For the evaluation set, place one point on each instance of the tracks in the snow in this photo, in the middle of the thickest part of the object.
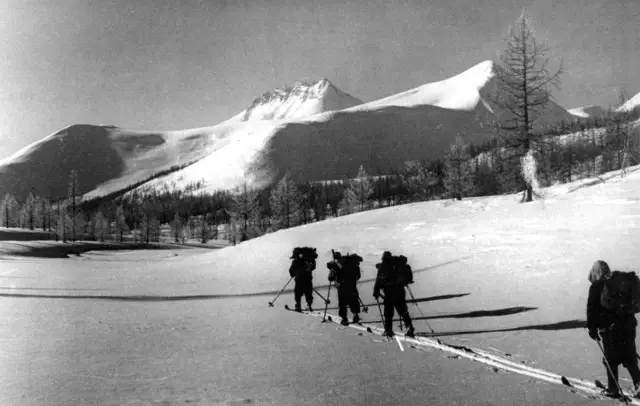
(575, 384)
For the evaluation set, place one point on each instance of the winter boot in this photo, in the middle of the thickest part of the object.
(356, 319)
(388, 334)
(309, 306)
(344, 322)
(298, 307)
(410, 332)
(611, 393)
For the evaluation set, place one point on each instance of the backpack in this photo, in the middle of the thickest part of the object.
(349, 269)
(309, 255)
(621, 292)
(351, 264)
(403, 270)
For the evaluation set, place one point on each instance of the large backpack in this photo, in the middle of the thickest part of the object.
(349, 270)
(621, 293)
(351, 264)
(403, 270)
(309, 255)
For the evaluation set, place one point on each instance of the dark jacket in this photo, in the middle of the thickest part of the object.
(386, 277)
(301, 269)
(599, 317)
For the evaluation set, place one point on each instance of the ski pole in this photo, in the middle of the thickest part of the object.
(364, 307)
(381, 314)
(324, 318)
(413, 298)
(285, 286)
(606, 362)
(321, 297)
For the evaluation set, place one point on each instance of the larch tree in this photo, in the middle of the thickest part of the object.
(73, 194)
(358, 193)
(245, 208)
(285, 201)
(524, 81)
(458, 181)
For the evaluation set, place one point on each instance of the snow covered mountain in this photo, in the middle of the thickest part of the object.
(301, 100)
(313, 131)
(631, 104)
(587, 111)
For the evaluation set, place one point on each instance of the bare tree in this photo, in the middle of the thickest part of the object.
(524, 82)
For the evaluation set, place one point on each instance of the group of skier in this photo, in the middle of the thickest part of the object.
(393, 275)
(614, 299)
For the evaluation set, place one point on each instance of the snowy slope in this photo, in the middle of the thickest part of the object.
(300, 101)
(587, 111)
(109, 159)
(630, 104)
(495, 274)
(460, 92)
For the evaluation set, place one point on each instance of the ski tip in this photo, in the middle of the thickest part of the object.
(369, 330)
(287, 307)
(565, 381)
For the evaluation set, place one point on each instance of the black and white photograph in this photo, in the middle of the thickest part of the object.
(340, 202)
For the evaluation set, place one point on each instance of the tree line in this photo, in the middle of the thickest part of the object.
(521, 157)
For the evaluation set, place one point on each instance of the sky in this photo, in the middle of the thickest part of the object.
(170, 65)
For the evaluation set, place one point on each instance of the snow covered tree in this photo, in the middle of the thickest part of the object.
(120, 223)
(100, 226)
(64, 223)
(524, 82)
(357, 194)
(530, 170)
(177, 228)
(8, 211)
(620, 130)
(418, 180)
(457, 180)
(285, 203)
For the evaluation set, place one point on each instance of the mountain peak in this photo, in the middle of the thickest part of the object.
(303, 99)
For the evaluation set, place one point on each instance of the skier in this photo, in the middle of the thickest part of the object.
(302, 266)
(344, 272)
(392, 278)
(616, 329)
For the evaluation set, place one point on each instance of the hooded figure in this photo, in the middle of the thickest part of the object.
(392, 283)
(617, 331)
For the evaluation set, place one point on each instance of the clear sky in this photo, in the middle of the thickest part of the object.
(166, 65)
